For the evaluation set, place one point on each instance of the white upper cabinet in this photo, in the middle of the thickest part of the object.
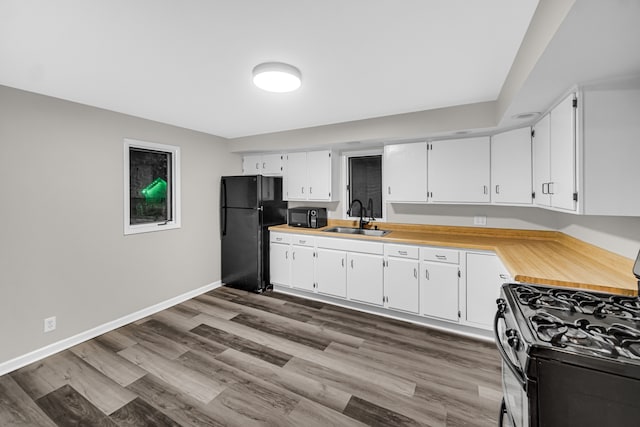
(563, 155)
(459, 171)
(541, 156)
(319, 177)
(611, 149)
(554, 148)
(311, 176)
(511, 172)
(405, 172)
(295, 180)
(263, 164)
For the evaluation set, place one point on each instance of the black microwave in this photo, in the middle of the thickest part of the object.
(307, 217)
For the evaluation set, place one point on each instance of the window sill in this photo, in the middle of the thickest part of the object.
(148, 228)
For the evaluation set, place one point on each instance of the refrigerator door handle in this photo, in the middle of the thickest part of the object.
(223, 211)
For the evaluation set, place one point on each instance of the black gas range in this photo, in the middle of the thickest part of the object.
(570, 357)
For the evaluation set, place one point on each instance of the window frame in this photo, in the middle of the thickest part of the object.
(174, 185)
(345, 180)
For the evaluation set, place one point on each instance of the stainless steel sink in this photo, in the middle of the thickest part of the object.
(362, 231)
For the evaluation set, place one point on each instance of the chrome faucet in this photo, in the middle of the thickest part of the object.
(362, 222)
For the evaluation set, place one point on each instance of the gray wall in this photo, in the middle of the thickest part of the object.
(62, 248)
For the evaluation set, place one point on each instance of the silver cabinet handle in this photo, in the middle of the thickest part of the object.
(415, 273)
(351, 263)
(426, 274)
(278, 239)
(302, 190)
(389, 190)
(286, 255)
(402, 252)
(485, 189)
(302, 242)
(264, 165)
(441, 256)
(550, 188)
(257, 166)
(497, 189)
(293, 255)
(342, 262)
(310, 190)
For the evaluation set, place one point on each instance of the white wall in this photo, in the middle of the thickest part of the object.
(62, 248)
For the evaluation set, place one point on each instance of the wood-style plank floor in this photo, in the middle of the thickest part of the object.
(230, 358)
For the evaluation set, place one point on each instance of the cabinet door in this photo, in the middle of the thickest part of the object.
(272, 164)
(511, 167)
(541, 158)
(252, 165)
(331, 272)
(405, 172)
(459, 170)
(279, 264)
(296, 176)
(611, 152)
(563, 155)
(485, 275)
(302, 271)
(319, 175)
(439, 290)
(364, 278)
(401, 284)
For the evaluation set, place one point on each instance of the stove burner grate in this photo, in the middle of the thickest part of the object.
(581, 335)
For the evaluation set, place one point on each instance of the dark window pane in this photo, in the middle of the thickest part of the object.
(149, 186)
(365, 184)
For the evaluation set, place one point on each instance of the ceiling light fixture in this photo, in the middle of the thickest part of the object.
(276, 77)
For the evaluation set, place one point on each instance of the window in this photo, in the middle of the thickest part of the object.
(364, 183)
(151, 187)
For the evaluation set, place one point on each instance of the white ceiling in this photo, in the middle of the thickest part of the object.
(188, 63)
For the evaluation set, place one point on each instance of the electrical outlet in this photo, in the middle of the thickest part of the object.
(480, 220)
(50, 324)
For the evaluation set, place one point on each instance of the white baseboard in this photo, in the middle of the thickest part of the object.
(463, 330)
(41, 353)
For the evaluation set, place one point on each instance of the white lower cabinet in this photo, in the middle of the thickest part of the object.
(280, 267)
(485, 275)
(302, 263)
(364, 277)
(401, 278)
(440, 283)
(414, 280)
(439, 289)
(331, 272)
(280, 259)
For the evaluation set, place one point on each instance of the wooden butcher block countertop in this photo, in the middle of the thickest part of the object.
(544, 257)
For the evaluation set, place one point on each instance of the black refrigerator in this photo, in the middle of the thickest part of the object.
(249, 205)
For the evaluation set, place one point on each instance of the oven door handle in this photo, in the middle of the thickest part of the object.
(512, 367)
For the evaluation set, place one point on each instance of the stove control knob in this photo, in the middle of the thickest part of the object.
(502, 305)
(512, 338)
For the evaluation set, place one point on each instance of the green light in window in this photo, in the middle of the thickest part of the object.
(156, 190)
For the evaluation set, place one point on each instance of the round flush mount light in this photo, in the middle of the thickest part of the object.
(276, 77)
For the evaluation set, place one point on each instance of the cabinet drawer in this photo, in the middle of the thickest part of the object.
(401, 251)
(302, 240)
(440, 255)
(279, 237)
